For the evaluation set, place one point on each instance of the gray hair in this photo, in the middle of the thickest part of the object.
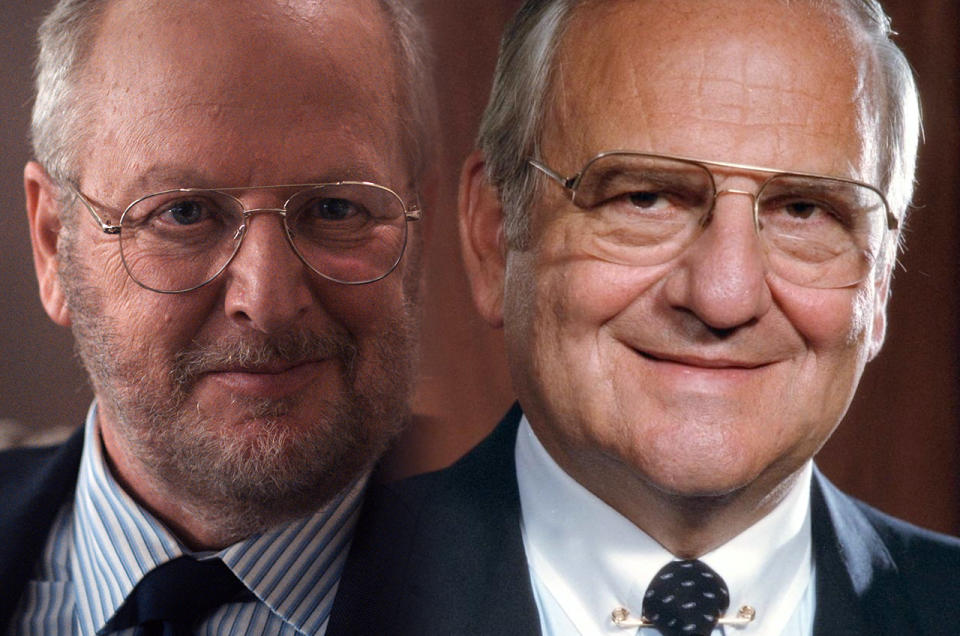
(512, 123)
(61, 115)
(59, 120)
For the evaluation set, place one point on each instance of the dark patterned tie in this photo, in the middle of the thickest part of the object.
(686, 598)
(173, 596)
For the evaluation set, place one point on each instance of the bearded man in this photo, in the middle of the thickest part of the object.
(223, 208)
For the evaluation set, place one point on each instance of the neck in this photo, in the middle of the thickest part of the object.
(188, 522)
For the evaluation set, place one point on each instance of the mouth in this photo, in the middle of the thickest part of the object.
(702, 362)
(272, 368)
(274, 380)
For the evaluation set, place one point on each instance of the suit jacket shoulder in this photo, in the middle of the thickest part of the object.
(34, 484)
(880, 575)
(441, 553)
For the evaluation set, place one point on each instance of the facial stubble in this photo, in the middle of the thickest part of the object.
(244, 482)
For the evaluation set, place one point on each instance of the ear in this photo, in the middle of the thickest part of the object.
(43, 214)
(482, 239)
(879, 331)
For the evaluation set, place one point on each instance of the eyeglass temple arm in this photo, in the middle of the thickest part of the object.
(893, 223)
(567, 184)
(105, 227)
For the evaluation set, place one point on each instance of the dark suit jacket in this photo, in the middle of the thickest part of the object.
(35, 483)
(441, 554)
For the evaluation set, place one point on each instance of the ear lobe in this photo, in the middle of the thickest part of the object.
(43, 214)
(481, 238)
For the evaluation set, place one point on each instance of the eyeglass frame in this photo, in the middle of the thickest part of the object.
(573, 182)
(411, 213)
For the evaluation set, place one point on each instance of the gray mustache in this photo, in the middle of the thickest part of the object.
(287, 348)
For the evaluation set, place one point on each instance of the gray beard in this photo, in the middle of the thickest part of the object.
(245, 486)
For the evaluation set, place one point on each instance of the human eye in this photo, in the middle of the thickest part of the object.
(194, 221)
(809, 226)
(649, 199)
(185, 212)
(644, 194)
(175, 213)
(805, 210)
(333, 210)
(333, 219)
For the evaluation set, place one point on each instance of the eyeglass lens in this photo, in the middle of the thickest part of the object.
(645, 210)
(178, 240)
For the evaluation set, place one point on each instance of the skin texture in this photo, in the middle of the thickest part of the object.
(257, 397)
(686, 395)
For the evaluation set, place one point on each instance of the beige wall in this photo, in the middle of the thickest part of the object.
(898, 447)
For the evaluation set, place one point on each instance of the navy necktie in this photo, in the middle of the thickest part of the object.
(686, 598)
(177, 594)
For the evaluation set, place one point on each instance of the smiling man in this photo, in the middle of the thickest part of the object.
(684, 214)
(223, 208)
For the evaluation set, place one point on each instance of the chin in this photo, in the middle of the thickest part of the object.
(694, 485)
(709, 470)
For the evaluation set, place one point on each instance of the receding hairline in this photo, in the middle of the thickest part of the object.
(845, 33)
(396, 21)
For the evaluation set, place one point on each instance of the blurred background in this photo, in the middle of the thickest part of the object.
(898, 448)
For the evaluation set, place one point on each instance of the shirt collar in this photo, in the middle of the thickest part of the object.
(591, 559)
(294, 569)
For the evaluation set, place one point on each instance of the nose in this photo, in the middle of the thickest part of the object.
(267, 285)
(721, 277)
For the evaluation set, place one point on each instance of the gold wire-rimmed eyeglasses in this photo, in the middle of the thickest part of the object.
(175, 241)
(645, 209)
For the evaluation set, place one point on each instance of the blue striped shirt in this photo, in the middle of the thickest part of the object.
(103, 543)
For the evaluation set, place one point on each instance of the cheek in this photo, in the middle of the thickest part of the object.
(829, 320)
(574, 287)
(555, 315)
(157, 327)
(365, 311)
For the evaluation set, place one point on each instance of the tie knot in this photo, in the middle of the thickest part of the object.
(686, 598)
(176, 594)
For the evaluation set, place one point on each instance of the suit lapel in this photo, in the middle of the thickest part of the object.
(471, 548)
(369, 589)
(441, 553)
(36, 482)
(856, 578)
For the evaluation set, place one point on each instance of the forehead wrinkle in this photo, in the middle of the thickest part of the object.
(149, 162)
(733, 94)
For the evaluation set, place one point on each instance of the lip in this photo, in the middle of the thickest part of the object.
(269, 381)
(700, 362)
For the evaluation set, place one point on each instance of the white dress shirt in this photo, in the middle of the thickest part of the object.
(103, 542)
(586, 559)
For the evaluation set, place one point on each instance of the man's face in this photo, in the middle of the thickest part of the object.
(705, 374)
(269, 385)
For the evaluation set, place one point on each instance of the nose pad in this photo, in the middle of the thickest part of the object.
(248, 215)
(746, 193)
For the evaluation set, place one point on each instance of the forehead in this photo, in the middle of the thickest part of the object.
(245, 90)
(759, 82)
